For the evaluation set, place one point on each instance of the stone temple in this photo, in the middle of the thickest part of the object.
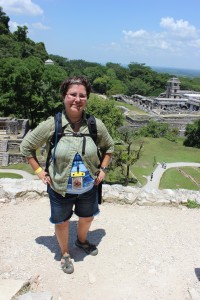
(174, 106)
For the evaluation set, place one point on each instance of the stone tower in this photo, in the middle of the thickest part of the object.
(173, 88)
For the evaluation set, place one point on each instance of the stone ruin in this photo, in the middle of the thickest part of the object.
(12, 131)
(175, 107)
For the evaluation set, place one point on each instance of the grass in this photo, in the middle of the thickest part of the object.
(173, 179)
(194, 172)
(10, 175)
(158, 150)
(24, 167)
(192, 204)
(132, 108)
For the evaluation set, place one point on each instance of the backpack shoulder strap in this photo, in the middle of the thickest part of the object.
(92, 126)
(58, 133)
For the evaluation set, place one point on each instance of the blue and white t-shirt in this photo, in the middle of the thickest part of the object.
(80, 180)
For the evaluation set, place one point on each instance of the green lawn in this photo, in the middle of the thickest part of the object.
(159, 150)
(173, 179)
(24, 167)
(194, 172)
(10, 175)
(132, 108)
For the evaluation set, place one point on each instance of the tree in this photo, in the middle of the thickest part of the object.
(94, 72)
(20, 83)
(122, 73)
(101, 84)
(138, 86)
(125, 156)
(154, 129)
(4, 20)
(21, 33)
(52, 77)
(106, 110)
(192, 133)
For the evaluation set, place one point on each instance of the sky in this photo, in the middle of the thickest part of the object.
(151, 32)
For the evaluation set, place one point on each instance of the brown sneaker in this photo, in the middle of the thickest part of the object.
(87, 247)
(66, 264)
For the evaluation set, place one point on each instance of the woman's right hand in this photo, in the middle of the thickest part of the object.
(44, 176)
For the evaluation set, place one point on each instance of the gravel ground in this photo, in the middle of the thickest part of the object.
(145, 253)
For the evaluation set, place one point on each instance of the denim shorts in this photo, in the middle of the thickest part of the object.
(84, 205)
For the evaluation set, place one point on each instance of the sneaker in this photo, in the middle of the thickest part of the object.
(66, 264)
(87, 247)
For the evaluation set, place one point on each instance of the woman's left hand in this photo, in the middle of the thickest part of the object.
(100, 177)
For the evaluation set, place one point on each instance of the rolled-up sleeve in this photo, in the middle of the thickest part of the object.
(36, 138)
(105, 141)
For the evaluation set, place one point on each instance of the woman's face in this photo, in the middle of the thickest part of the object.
(75, 99)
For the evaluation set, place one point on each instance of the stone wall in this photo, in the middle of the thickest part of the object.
(14, 126)
(18, 190)
(10, 152)
(16, 159)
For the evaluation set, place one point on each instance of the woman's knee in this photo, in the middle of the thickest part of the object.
(86, 220)
(62, 225)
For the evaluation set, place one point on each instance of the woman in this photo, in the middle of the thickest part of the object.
(72, 177)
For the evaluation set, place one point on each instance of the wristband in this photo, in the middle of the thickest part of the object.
(38, 170)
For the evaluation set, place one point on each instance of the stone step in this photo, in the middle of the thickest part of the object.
(3, 132)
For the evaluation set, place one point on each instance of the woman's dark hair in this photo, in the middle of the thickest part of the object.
(75, 80)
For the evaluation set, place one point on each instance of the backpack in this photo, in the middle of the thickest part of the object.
(59, 133)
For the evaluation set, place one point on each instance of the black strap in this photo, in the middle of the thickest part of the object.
(91, 122)
(83, 147)
(92, 126)
(58, 133)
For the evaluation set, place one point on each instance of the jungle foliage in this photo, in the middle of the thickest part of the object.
(30, 89)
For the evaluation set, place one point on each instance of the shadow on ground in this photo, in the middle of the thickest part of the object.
(77, 254)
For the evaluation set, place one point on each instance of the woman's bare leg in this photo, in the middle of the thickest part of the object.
(62, 233)
(83, 228)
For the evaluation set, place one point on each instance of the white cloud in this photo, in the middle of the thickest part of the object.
(31, 27)
(40, 26)
(180, 27)
(13, 26)
(132, 34)
(177, 37)
(21, 7)
(196, 43)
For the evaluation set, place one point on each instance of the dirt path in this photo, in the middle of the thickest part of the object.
(145, 253)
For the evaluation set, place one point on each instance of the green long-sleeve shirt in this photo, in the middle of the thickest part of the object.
(68, 146)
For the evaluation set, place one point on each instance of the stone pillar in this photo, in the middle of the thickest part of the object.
(5, 159)
(3, 145)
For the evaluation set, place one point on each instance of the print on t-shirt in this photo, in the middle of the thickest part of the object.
(80, 180)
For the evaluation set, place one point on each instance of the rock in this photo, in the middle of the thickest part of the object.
(36, 296)
(9, 287)
(92, 278)
(194, 294)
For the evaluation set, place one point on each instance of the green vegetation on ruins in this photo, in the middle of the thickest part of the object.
(29, 89)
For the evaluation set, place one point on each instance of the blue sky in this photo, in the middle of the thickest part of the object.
(153, 32)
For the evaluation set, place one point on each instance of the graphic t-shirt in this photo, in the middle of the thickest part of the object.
(80, 180)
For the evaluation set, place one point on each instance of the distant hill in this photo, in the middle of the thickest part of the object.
(178, 72)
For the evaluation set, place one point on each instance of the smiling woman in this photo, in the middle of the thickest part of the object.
(75, 169)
